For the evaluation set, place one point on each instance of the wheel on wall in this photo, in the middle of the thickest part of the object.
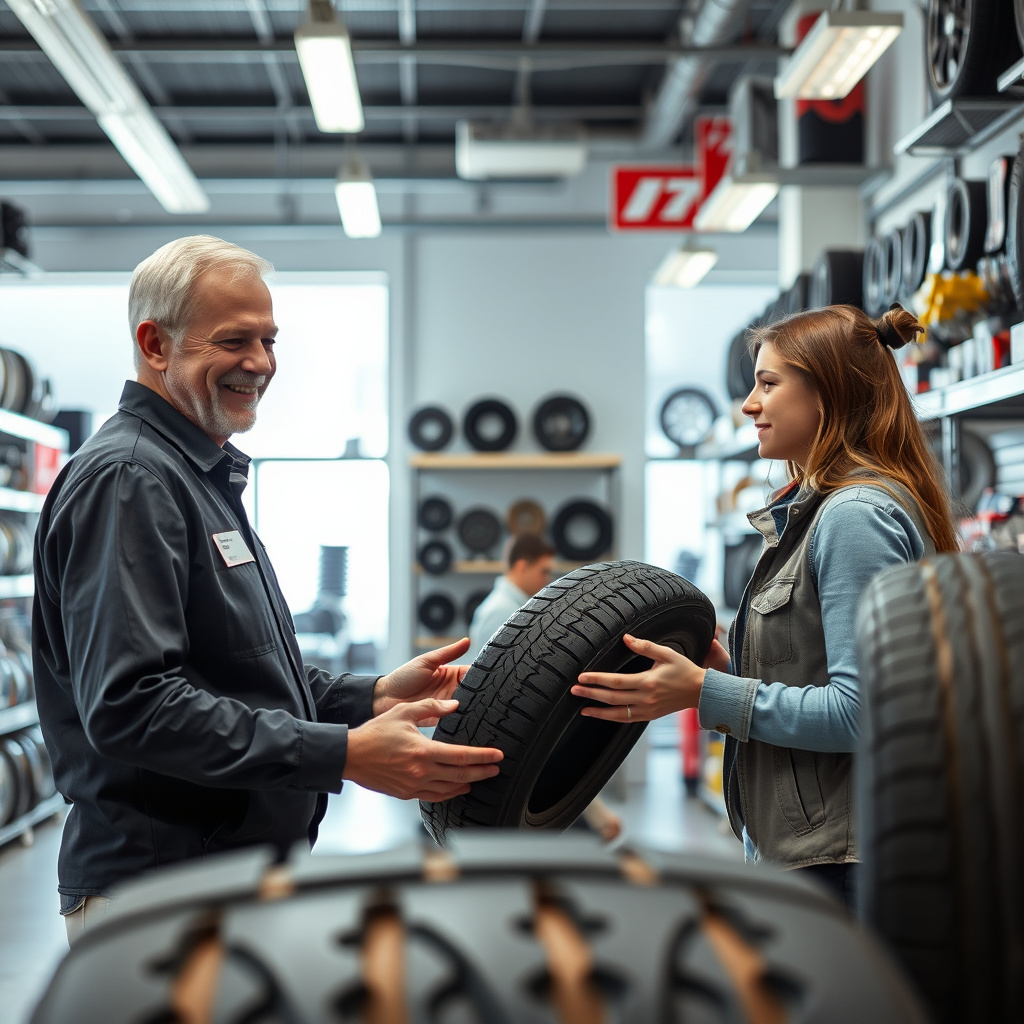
(941, 768)
(434, 513)
(437, 612)
(435, 557)
(917, 241)
(525, 516)
(523, 929)
(688, 417)
(965, 222)
(431, 428)
(582, 530)
(739, 374)
(479, 529)
(837, 278)
(516, 694)
(490, 425)
(561, 423)
(968, 44)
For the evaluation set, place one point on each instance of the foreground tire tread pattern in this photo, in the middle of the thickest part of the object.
(465, 938)
(516, 694)
(941, 780)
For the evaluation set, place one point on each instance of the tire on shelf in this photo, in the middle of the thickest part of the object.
(435, 557)
(479, 529)
(997, 195)
(22, 773)
(837, 278)
(796, 296)
(561, 423)
(492, 929)
(1018, 20)
(525, 516)
(1015, 228)
(47, 786)
(431, 428)
(892, 279)
(739, 374)
(473, 601)
(598, 530)
(977, 467)
(36, 767)
(434, 513)
(965, 223)
(687, 418)
(436, 611)
(516, 695)
(917, 240)
(490, 425)
(941, 777)
(8, 788)
(967, 45)
(874, 278)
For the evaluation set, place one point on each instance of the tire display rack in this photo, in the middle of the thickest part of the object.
(34, 437)
(495, 480)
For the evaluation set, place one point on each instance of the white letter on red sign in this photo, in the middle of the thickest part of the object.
(641, 203)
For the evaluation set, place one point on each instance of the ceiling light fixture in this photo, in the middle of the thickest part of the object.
(357, 200)
(518, 151)
(736, 202)
(80, 53)
(836, 54)
(325, 56)
(684, 267)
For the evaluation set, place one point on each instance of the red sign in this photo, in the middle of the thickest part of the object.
(665, 197)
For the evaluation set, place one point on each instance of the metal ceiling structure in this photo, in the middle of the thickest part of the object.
(223, 78)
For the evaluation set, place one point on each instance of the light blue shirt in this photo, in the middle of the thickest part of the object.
(504, 599)
(862, 531)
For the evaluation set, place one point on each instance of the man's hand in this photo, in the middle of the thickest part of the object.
(430, 676)
(390, 755)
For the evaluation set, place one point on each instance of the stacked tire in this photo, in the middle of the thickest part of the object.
(26, 779)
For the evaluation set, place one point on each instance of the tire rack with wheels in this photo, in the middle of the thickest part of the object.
(494, 480)
(43, 446)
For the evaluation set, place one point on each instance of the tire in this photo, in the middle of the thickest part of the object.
(688, 417)
(561, 423)
(480, 530)
(46, 784)
(22, 775)
(503, 929)
(998, 188)
(739, 375)
(796, 296)
(977, 467)
(1018, 20)
(525, 516)
(475, 599)
(565, 531)
(431, 428)
(965, 223)
(435, 557)
(1015, 228)
(967, 60)
(837, 279)
(516, 694)
(490, 425)
(892, 279)
(8, 789)
(434, 514)
(917, 241)
(874, 278)
(941, 777)
(437, 612)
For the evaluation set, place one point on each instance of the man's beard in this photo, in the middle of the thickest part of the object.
(206, 410)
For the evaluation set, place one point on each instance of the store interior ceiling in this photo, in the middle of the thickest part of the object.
(223, 78)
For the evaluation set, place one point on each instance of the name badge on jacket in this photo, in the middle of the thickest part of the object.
(232, 548)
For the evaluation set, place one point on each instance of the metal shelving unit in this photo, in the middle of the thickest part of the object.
(22, 827)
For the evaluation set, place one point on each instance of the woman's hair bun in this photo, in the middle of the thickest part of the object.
(897, 327)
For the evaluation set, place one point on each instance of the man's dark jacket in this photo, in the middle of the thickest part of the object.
(171, 693)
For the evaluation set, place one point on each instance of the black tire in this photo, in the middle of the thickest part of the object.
(892, 279)
(874, 278)
(965, 223)
(739, 375)
(437, 612)
(1018, 20)
(36, 768)
(998, 188)
(599, 531)
(434, 514)
(561, 423)
(490, 425)
(475, 599)
(469, 934)
(431, 428)
(797, 294)
(525, 516)
(977, 467)
(688, 417)
(516, 694)
(967, 45)
(46, 784)
(837, 278)
(479, 529)
(1015, 228)
(22, 773)
(435, 557)
(8, 789)
(917, 241)
(941, 777)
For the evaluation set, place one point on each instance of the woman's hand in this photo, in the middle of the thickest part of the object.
(672, 683)
(718, 657)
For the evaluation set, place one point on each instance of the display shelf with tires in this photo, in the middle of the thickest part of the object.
(466, 505)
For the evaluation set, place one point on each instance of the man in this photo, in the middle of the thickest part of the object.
(528, 562)
(173, 701)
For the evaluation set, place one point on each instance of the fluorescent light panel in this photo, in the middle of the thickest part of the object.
(484, 152)
(357, 201)
(736, 203)
(69, 38)
(685, 267)
(836, 54)
(325, 56)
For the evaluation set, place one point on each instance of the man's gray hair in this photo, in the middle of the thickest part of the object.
(163, 285)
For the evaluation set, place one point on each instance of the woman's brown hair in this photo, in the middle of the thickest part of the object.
(867, 420)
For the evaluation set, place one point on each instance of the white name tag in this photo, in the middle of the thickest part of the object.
(232, 548)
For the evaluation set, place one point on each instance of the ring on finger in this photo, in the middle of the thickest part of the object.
(629, 714)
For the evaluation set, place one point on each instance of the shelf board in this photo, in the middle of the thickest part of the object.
(1010, 80)
(13, 262)
(47, 809)
(998, 389)
(20, 501)
(957, 125)
(516, 460)
(21, 716)
(743, 446)
(16, 425)
(17, 586)
(832, 175)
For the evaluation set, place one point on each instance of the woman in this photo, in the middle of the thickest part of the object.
(865, 493)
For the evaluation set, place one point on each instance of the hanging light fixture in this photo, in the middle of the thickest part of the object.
(325, 56)
(685, 267)
(736, 201)
(357, 200)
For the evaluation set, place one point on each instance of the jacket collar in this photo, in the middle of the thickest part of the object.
(189, 439)
(774, 519)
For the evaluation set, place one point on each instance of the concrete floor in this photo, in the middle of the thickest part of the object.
(656, 814)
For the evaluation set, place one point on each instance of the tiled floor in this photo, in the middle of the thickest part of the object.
(656, 814)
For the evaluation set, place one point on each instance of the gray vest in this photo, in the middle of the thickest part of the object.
(797, 805)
